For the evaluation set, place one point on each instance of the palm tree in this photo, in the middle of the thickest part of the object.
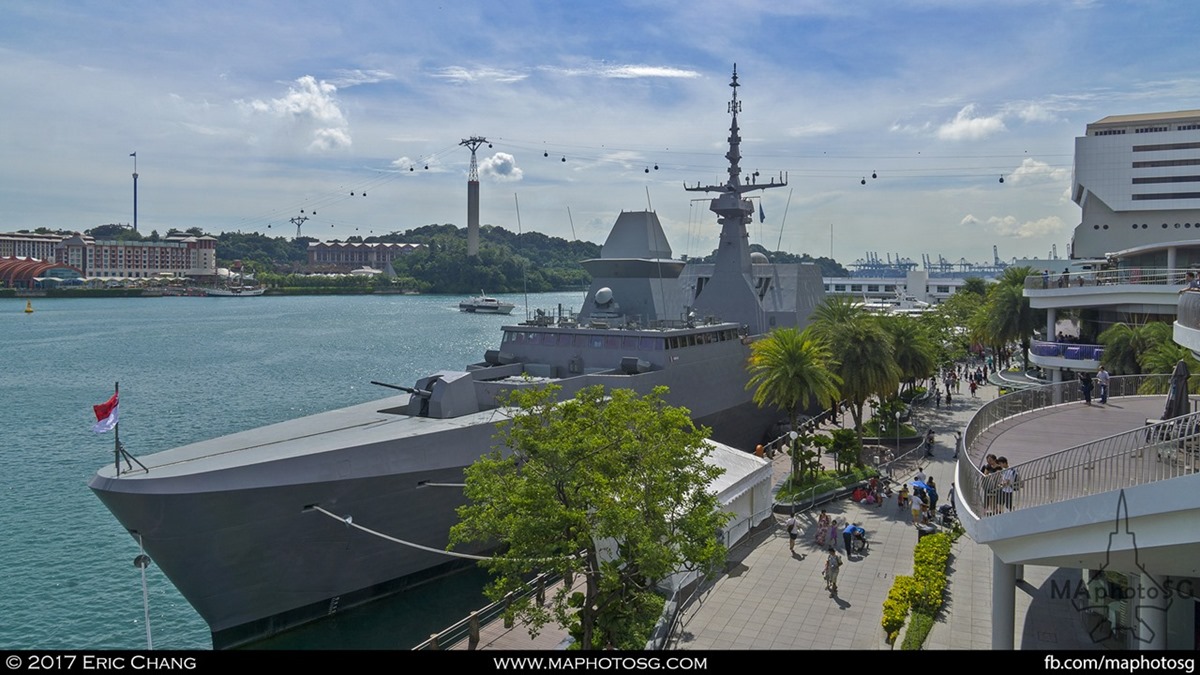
(912, 349)
(835, 311)
(866, 364)
(1124, 345)
(1009, 317)
(790, 369)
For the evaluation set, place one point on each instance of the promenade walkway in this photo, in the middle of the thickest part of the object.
(771, 599)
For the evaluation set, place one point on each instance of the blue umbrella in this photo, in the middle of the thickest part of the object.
(919, 484)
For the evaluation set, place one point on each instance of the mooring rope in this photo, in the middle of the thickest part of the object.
(350, 521)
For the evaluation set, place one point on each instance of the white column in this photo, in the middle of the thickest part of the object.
(1151, 612)
(1004, 603)
(1171, 259)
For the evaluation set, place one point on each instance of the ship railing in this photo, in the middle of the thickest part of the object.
(1160, 450)
(1140, 276)
(469, 629)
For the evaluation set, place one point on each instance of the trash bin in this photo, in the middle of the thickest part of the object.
(923, 530)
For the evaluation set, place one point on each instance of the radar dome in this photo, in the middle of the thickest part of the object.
(604, 296)
(759, 258)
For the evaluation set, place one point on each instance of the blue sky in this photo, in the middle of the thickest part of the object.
(243, 114)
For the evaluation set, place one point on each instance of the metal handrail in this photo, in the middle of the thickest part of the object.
(1138, 276)
(1097, 466)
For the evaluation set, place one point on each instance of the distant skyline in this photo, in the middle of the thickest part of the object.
(244, 114)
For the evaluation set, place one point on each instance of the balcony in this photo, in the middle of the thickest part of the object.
(1066, 355)
(1143, 290)
(1087, 472)
(1187, 322)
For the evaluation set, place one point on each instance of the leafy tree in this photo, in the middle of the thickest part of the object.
(866, 365)
(862, 350)
(1125, 344)
(613, 487)
(1009, 317)
(791, 369)
(912, 349)
(974, 285)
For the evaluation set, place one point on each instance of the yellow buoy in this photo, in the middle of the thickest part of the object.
(29, 307)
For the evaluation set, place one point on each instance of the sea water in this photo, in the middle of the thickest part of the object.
(191, 369)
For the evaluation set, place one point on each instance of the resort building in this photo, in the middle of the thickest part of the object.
(346, 254)
(178, 256)
(1106, 492)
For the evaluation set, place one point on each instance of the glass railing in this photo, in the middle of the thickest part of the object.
(1151, 276)
(1158, 451)
(1066, 350)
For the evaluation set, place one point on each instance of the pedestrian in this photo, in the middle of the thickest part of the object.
(974, 386)
(833, 563)
(1008, 483)
(918, 507)
(792, 531)
(823, 522)
(848, 536)
(957, 442)
(1085, 386)
(1102, 378)
(938, 397)
(931, 493)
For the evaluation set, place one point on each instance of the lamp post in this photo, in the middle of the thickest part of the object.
(897, 433)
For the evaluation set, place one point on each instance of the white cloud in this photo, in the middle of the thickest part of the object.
(1008, 226)
(349, 78)
(501, 167)
(312, 105)
(1031, 170)
(1031, 112)
(967, 127)
(624, 71)
(461, 75)
(969, 220)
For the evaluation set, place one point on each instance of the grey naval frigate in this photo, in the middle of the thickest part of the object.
(239, 523)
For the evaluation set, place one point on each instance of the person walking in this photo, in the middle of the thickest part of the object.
(792, 531)
(1085, 386)
(833, 563)
(1102, 378)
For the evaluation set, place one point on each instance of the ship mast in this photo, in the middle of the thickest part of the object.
(729, 294)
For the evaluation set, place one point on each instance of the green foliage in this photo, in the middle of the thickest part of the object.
(918, 630)
(863, 351)
(922, 592)
(895, 607)
(824, 481)
(845, 447)
(611, 486)
(790, 369)
(829, 266)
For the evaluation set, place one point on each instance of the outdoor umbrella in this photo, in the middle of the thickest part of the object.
(1177, 394)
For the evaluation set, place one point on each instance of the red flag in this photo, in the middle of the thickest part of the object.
(106, 415)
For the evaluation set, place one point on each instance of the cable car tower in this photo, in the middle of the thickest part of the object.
(473, 144)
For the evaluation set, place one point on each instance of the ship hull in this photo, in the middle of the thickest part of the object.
(231, 522)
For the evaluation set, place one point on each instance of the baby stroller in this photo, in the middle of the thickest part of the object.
(946, 515)
(859, 543)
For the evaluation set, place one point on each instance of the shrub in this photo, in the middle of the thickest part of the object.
(922, 592)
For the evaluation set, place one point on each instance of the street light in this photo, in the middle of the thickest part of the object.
(897, 433)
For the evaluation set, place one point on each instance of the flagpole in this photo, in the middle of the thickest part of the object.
(117, 434)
